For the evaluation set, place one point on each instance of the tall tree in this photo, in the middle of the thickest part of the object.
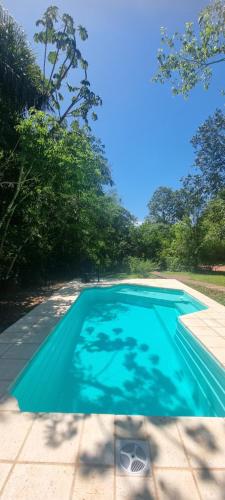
(208, 178)
(20, 78)
(189, 58)
(209, 149)
(212, 226)
(166, 206)
(149, 240)
(64, 67)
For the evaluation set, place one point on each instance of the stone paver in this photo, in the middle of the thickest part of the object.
(20, 351)
(211, 484)
(4, 384)
(53, 438)
(176, 485)
(4, 348)
(13, 431)
(25, 336)
(4, 471)
(134, 488)
(36, 482)
(202, 331)
(204, 441)
(94, 483)
(97, 445)
(165, 444)
(220, 330)
(219, 353)
(130, 427)
(212, 341)
(10, 368)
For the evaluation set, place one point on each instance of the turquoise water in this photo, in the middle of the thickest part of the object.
(122, 350)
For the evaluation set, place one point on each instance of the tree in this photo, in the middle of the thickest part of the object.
(189, 58)
(209, 149)
(183, 253)
(212, 224)
(56, 172)
(208, 178)
(63, 64)
(149, 240)
(20, 79)
(48, 168)
(106, 239)
(166, 206)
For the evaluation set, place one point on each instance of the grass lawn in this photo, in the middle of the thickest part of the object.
(214, 278)
(212, 293)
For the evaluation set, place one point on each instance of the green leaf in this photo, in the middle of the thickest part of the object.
(52, 57)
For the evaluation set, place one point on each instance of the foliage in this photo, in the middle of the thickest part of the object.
(141, 267)
(184, 249)
(106, 232)
(166, 206)
(20, 79)
(58, 213)
(212, 248)
(54, 212)
(209, 149)
(189, 58)
(150, 241)
(57, 174)
(63, 64)
(208, 177)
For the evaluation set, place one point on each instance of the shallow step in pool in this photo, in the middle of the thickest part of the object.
(122, 350)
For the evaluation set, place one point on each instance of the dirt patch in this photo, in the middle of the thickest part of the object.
(14, 304)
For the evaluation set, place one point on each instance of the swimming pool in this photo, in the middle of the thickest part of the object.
(122, 350)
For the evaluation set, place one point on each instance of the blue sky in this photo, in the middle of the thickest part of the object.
(145, 129)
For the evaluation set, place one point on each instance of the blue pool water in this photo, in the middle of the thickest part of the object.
(122, 350)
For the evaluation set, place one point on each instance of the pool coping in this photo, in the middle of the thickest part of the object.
(191, 450)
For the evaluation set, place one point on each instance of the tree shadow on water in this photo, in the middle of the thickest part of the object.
(101, 312)
(101, 341)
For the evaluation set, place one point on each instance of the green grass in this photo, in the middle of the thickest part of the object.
(212, 293)
(213, 278)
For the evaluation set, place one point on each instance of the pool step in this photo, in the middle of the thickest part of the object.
(208, 375)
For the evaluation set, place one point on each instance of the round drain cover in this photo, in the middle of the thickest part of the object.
(133, 457)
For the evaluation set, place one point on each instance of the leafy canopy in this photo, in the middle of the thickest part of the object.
(208, 178)
(20, 76)
(212, 225)
(166, 206)
(188, 58)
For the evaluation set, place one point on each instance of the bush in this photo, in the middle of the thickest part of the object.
(141, 266)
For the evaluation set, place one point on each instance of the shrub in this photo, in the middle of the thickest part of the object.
(141, 266)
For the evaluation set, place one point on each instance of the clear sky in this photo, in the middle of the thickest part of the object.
(145, 129)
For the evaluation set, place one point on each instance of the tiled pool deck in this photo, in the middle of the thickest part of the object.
(71, 456)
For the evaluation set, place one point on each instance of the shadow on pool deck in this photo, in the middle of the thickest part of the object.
(200, 440)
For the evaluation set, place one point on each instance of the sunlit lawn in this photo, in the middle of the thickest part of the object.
(212, 278)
